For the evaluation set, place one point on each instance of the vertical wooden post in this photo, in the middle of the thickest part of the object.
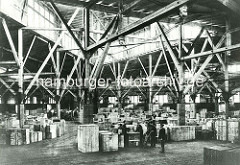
(20, 100)
(226, 74)
(58, 102)
(150, 105)
(119, 89)
(88, 108)
(181, 105)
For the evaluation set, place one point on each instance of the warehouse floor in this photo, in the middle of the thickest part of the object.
(63, 150)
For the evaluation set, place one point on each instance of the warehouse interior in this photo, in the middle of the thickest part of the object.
(81, 79)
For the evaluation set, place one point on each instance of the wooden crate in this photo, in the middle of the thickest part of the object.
(121, 141)
(26, 135)
(233, 130)
(232, 157)
(221, 129)
(53, 130)
(182, 133)
(2, 136)
(221, 155)
(214, 155)
(33, 136)
(39, 136)
(88, 138)
(108, 142)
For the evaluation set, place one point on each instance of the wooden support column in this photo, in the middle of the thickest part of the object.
(150, 103)
(20, 101)
(87, 109)
(226, 74)
(57, 98)
(181, 98)
(119, 94)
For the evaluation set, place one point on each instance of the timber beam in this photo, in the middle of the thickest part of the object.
(156, 16)
(212, 52)
(67, 27)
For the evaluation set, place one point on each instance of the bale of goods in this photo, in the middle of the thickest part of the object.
(42, 129)
(104, 125)
(181, 133)
(59, 129)
(121, 141)
(63, 122)
(48, 135)
(2, 136)
(33, 136)
(53, 130)
(39, 136)
(26, 135)
(233, 130)
(14, 136)
(12, 123)
(172, 122)
(88, 138)
(108, 142)
(37, 127)
(18, 137)
(221, 129)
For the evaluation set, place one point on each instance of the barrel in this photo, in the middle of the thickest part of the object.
(88, 138)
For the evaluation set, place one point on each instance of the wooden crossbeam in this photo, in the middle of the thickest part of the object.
(140, 23)
(50, 54)
(10, 40)
(215, 51)
(7, 86)
(68, 28)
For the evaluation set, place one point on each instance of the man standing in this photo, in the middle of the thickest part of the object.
(162, 137)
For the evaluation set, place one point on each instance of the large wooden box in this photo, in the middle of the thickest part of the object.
(108, 142)
(233, 130)
(88, 138)
(182, 133)
(221, 129)
(53, 130)
(215, 155)
(232, 157)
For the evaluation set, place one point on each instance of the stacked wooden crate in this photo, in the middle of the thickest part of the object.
(233, 130)
(181, 133)
(221, 129)
(88, 138)
(108, 141)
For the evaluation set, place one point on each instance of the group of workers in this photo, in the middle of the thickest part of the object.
(148, 133)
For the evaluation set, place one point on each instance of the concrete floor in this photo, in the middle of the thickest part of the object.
(63, 151)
